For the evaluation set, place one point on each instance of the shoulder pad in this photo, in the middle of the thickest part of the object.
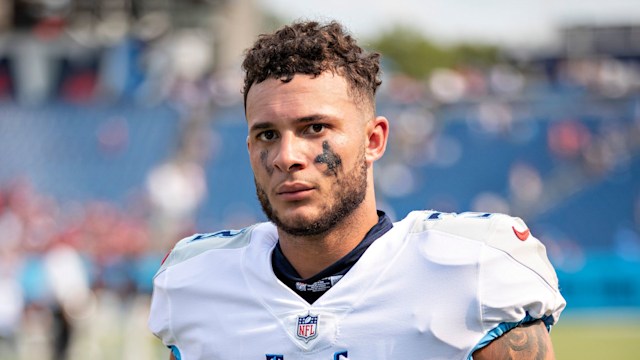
(470, 225)
(200, 243)
(512, 236)
(502, 232)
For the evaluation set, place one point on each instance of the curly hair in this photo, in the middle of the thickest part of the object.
(311, 48)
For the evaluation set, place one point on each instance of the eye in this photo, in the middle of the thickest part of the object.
(267, 135)
(316, 128)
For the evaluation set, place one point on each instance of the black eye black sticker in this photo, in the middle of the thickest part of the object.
(330, 158)
(263, 160)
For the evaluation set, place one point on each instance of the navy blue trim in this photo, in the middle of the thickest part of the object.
(289, 276)
(219, 234)
(504, 327)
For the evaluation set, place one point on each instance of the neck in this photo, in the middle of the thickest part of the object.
(311, 254)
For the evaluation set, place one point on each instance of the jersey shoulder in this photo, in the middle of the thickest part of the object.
(199, 243)
(470, 225)
(504, 233)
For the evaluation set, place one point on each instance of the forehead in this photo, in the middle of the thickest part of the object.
(304, 95)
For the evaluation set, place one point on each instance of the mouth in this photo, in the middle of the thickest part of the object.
(294, 191)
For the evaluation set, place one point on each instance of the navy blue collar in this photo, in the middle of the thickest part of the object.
(312, 288)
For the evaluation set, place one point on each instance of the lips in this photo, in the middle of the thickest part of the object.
(292, 188)
(293, 191)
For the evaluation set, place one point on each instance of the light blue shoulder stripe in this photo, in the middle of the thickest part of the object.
(505, 327)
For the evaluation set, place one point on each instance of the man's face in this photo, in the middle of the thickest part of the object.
(307, 149)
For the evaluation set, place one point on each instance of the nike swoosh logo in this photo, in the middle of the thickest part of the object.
(522, 235)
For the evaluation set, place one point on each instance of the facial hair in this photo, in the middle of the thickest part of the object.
(349, 191)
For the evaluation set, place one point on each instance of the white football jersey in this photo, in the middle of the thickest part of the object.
(435, 286)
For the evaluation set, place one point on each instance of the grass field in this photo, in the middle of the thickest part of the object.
(588, 336)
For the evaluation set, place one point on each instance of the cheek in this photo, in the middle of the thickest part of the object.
(260, 163)
(330, 159)
(264, 162)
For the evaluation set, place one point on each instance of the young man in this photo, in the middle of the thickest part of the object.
(330, 277)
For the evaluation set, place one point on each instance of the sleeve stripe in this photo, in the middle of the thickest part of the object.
(175, 351)
(504, 327)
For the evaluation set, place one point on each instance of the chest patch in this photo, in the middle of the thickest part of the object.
(307, 327)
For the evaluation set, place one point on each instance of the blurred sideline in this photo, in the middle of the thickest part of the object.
(108, 329)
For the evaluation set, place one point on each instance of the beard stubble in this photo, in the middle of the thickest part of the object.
(349, 191)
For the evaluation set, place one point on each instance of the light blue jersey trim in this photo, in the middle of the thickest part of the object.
(175, 351)
(506, 326)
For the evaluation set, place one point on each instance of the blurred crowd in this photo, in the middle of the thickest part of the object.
(57, 263)
(64, 265)
(582, 114)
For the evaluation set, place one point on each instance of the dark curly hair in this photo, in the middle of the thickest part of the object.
(311, 48)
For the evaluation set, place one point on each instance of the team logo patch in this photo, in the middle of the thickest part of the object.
(522, 235)
(307, 327)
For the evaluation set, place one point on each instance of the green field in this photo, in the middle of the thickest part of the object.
(591, 337)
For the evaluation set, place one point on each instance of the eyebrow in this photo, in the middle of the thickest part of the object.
(302, 120)
(261, 126)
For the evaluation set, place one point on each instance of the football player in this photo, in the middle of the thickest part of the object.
(330, 276)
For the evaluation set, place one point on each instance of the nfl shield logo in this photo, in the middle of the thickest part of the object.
(307, 327)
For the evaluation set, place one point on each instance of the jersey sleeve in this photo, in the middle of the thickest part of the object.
(159, 321)
(517, 283)
(165, 284)
(160, 312)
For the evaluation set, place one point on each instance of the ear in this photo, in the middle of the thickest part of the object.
(377, 132)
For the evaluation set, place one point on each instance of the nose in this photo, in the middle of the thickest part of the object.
(290, 154)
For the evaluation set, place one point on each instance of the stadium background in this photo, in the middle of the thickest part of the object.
(122, 130)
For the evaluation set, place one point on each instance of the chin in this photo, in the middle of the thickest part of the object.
(298, 216)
